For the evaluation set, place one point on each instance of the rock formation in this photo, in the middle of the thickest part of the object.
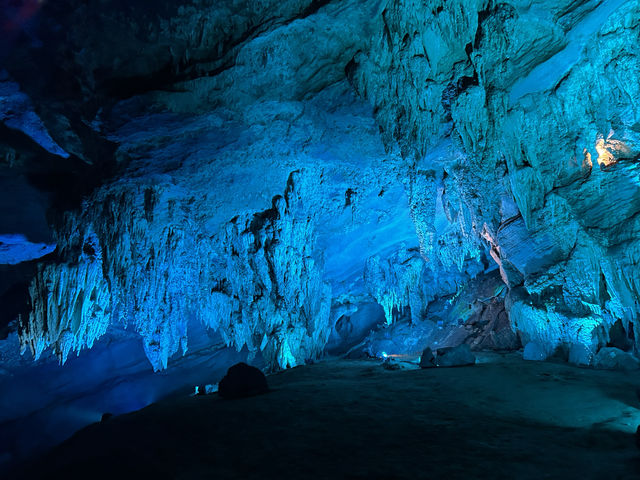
(269, 172)
(497, 110)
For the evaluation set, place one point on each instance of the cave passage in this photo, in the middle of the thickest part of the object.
(419, 219)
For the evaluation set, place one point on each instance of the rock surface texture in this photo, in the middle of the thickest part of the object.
(520, 119)
(289, 175)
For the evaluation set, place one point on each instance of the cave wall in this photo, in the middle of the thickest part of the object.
(504, 127)
(246, 167)
(279, 179)
(531, 110)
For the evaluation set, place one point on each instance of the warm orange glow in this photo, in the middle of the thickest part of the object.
(586, 162)
(610, 150)
(605, 157)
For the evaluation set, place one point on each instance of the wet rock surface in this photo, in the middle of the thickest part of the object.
(455, 356)
(612, 358)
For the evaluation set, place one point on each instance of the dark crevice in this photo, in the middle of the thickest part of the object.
(67, 180)
(454, 89)
(313, 7)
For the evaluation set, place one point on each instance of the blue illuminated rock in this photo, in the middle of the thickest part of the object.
(17, 112)
(427, 359)
(580, 354)
(255, 258)
(284, 180)
(16, 248)
(267, 192)
(522, 150)
(455, 356)
(611, 358)
(533, 351)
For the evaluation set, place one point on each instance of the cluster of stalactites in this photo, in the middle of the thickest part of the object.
(272, 297)
(71, 305)
(396, 282)
(155, 268)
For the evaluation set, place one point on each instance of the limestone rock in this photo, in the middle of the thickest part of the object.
(497, 145)
(427, 359)
(455, 356)
(242, 381)
(391, 364)
(261, 171)
(533, 351)
(526, 137)
(580, 354)
(611, 358)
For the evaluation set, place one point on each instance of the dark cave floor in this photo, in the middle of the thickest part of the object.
(502, 419)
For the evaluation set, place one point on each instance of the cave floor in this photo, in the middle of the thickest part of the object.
(501, 419)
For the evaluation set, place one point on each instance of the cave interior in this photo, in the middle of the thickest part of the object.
(420, 219)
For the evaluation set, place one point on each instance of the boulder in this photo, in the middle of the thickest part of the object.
(533, 351)
(611, 358)
(455, 356)
(491, 328)
(428, 359)
(580, 354)
(106, 417)
(241, 381)
(391, 364)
